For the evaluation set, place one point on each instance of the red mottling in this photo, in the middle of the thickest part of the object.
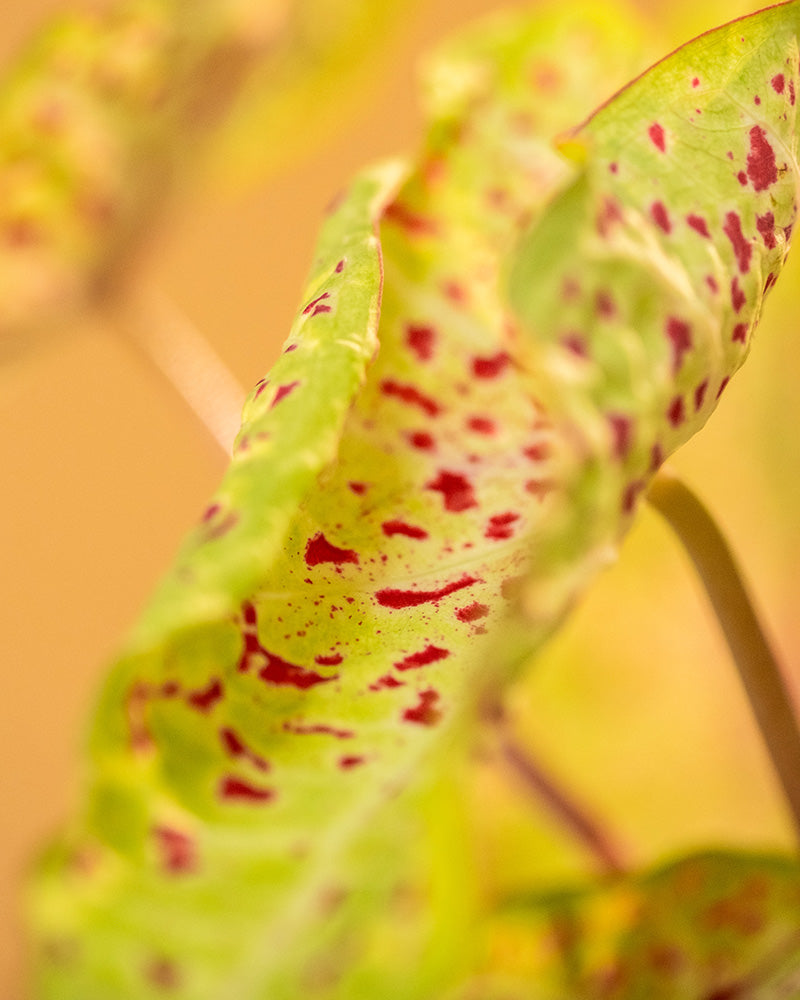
(210, 512)
(778, 83)
(320, 550)
(420, 340)
(680, 337)
(391, 598)
(482, 425)
(656, 133)
(472, 612)
(413, 223)
(660, 216)
(676, 413)
(317, 305)
(723, 386)
(576, 344)
(791, 93)
(742, 247)
(570, 289)
(630, 495)
(457, 491)
(604, 303)
(205, 699)
(358, 488)
(163, 974)
(700, 395)
(539, 487)
(390, 528)
(742, 178)
(699, 224)
(236, 790)
(425, 712)
(348, 763)
(280, 672)
(537, 452)
(738, 298)
(756, 100)
(739, 333)
(610, 214)
(177, 851)
(766, 228)
(711, 281)
(761, 167)
(500, 526)
(421, 440)
(656, 457)
(696, 82)
(455, 292)
(216, 526)
(283, 392)
(333, 660)
(248, 613)
(387, 681)
(490, 367)
(290, 348)
(411, 395)
(318, 730)
(771, 279)
(613, 167)
(621, 434)
(431, 654)
(236, 747)
(260, 386)
(340, 265)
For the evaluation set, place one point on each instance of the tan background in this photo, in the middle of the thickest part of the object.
(103, 472)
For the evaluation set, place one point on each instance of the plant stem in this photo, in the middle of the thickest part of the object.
(758, 668)
(170, 342)
(573, 815)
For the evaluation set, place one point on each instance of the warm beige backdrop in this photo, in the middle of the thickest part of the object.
(103, 472)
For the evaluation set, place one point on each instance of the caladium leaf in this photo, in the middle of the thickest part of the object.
(344, 599)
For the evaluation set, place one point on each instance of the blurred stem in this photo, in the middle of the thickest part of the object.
(169, 341)
(758, 668)
(563, 804)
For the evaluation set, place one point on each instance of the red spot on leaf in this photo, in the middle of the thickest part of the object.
(630, 495)
(621, 434)
(332, 660)
(771, 279)
(236, 790)
(675, 412)
(236, 747)
(761, 167)
(656, 133)
(320, 550)
(472, 612)
(680, 337)
(358, 488)
(482, 425)
(420, 340)
(500, 526)
(163, 974)
(387, 681)
(413, 223)
(699, 224)
(280, 672)
(537, 452)
(696, 82)
(742, 178)
(348, 763)
(742, 247)
(766, 228)
(605, 305)
(205, 699)
(283, 392)
(539, 487)
(723, 386)
(576, 344)
(700, 395)
(778, 83)
(401, 528)
(738, 298)
(317, 305)
(490, 367)
(431, 654)
(613, 167)
(660, 216)
(711, 281)
(177, 850)
(457, 491)
(391, 598)
(411, 395)
(425, 712)
(456, 292)
(740, 333)
(791, 93)
(300, 729)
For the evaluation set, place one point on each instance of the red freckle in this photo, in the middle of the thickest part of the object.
(622, 434)
(210, 512)
(431, 654)
(658, 211)
(387, 681)
(424, 713)
(500, 526)
(358, 488)
(699, 224)
(539, 487)
(761, 167)
(390, 598)
(610, 213)
(472, 612)
(421, 440)
(283, 392)
(280, 672)
(340, 266)
(242, 791)
(757, 100)
(205, 699)
(778, 83)
(411, 395)
(537, 452)
(299, 729)
(490, 367)
(482, 425)
(741, 247)
(630, 496)
(457, 491)
(314, 305)
(680, 336)
(412, 222)
(740, 333)
(177, 850)
(576, 344)
(700, 395)
(401, 528)
(723, 386)
(766, 227)
(771, 279)
(742, 178)
(290, 348)
(570, 289)
(455, 292)
(420, 340)
(329, 661)
(347, 763)
(605, 305)
(613, 167)
(656, 133)
(738, 298)
(696, 82)
(260, 386)
(163, 974)
(248, 613)
(675, 412)
(791, 93)
(656, 457)
(711, 281)
(320, 550)
(236, 747)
